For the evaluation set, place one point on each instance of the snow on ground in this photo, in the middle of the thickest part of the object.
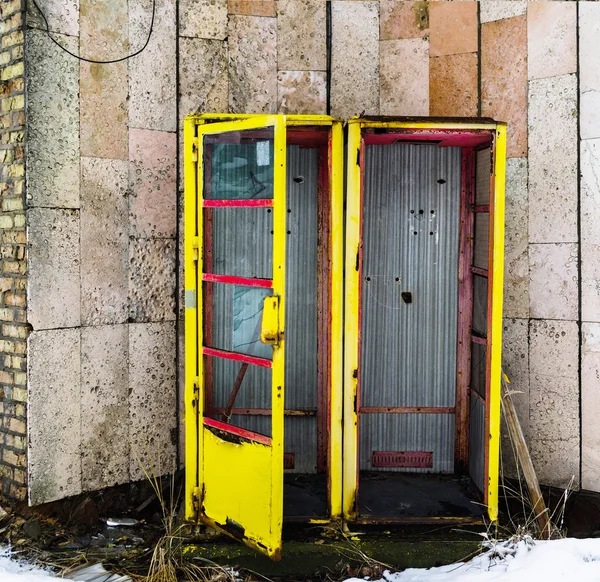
(12, 570)
(566, 560)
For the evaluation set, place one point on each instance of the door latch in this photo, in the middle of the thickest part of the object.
(269, 332)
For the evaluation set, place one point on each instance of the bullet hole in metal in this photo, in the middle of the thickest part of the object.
(431, 233)
(268, 210)
(289, 210)
(368, 278)
(415, 232)
(299, 179)
(441, 181)
(397, 279)
(289, 232)
(421, 211)
(432, 211)
(412, 211)
(406, 296)
(272, 232)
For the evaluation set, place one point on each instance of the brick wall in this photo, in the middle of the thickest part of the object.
(13, 260)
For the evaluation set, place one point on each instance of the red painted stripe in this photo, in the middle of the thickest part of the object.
(248, 282)
(478, 271)
(482, 341)
(484, 208)
(241, 432)
(251, 203)
(264, 363)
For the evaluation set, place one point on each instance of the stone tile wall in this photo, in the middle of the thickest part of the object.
(13, 260)
(103, 205)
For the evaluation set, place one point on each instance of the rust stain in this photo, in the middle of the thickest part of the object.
(421, 10)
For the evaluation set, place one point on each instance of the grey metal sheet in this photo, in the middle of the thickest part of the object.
(482, 177)
(408, 432)
(480, 305)
(482, 240)
(410, 233)
(476, 442)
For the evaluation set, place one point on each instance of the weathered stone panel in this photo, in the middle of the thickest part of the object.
(589, 70)
(355, 59)
(490, 10)
(104, 241)
(252, 64)
(399, 19)
(404, 71)
(553, 270)
(590, 406)
(552, 39)
(152, 74)
(104, 88)
(54, 418)
(104, 406)
(53, 116)
(253, 7)
(301, 30)
(54, 290)
(152, 408)
(152, 280)
(453, 28)
(203, 19)
(453, 85)
(62, 16)
(516, 240)
(152, 174)
(302, 92)
(203, 76)
(554, 400)
(553, 159)
(504, 79)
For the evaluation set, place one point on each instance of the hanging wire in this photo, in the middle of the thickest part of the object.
(92, 60)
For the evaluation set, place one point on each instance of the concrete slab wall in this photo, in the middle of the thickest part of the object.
(103, 217)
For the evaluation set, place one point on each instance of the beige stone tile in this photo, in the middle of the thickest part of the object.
(453, 85)
(104, 406)
(153, 393)
(554, 382)
(590, 406)
(104, 88)
(203, 76)
(552, 39)
(301, 35)
(203, 19)
(252, 64)
(515, 363)
(152, 74)
(104, 240)
(504, 79)
(54, 415)
(553, 270)
(52, 117)
(253, 7)
(302, 92)
(553, 159)
(516, 240)
(53, 289)
(152, 280)
(590, 281)
(399, 19)
(453, 28)
(589, 70)
(152, 176)
(490, 10)
(404, 72)
(355, 59)
(556, 462)
(62, 16)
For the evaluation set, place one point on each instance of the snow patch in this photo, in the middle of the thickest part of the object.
(12, 570)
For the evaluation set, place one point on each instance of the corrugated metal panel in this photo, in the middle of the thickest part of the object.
(241, 249)
(408, 432)
(482, 177)
(411, 227)
(476, 442)
(480, 305)
(481, 248)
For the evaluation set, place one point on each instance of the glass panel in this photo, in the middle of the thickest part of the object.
(478, 368)
(480, 305)
(238, 165)
(239, 242)
(253, 386)
(482, 180)
(482, 240)
(233, 319)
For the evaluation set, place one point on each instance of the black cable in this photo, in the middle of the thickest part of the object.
(92, 60)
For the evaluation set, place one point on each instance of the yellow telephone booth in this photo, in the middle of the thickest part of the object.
(278, 427)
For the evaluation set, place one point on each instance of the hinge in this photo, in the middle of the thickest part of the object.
(196, 501)
(195, 248)
(195, 149)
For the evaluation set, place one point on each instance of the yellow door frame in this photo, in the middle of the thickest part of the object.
(194, 431)
(352, 298)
